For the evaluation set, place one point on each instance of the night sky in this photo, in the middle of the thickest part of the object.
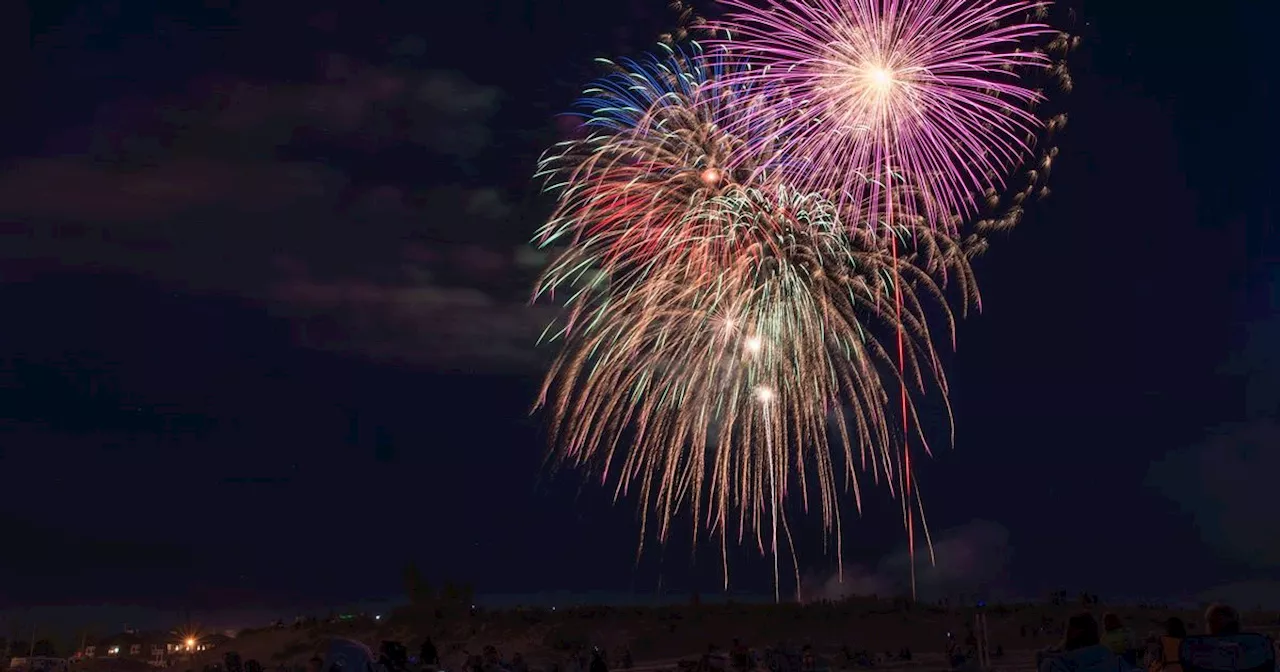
(266, 337)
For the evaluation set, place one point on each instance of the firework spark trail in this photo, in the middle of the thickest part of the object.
(753, 362)
(723, 329)
(923, 97)
(926, 91)
(625, 205)
(656, 151)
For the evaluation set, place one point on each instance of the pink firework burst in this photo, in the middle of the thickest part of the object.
(909, 107)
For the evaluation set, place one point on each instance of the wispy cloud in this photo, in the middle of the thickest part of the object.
(969, 559)
(451, 328)
(1225, 484)
(241, 187)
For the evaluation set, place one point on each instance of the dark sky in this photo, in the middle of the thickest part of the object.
(265, 335)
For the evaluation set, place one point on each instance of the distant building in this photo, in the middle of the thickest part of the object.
(211, 642)
(154, 648)
(123, 645)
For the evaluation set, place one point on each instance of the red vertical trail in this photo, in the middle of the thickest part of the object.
(906, 447)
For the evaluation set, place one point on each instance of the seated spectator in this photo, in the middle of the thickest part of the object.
(1118, 638)
(1222, 619)
(1081, 650)
(1167, 658)
(1226, 648)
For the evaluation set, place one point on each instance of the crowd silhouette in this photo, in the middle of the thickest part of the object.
(1087, 644)
(1086, 647)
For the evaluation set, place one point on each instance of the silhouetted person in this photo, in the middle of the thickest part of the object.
(428, 653)
(1081, 650)
(1118, 638)
(597, 662)
(1081, 632)
(1222, 619)
(740, 656)
(1168, 659)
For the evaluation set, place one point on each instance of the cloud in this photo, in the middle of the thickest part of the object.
(148, 160)
(971, 558)
(1225, 484)
(456, 307)
(456, 329)
(359, 104)
(78, 189)
(249, 188)
(445, 303)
